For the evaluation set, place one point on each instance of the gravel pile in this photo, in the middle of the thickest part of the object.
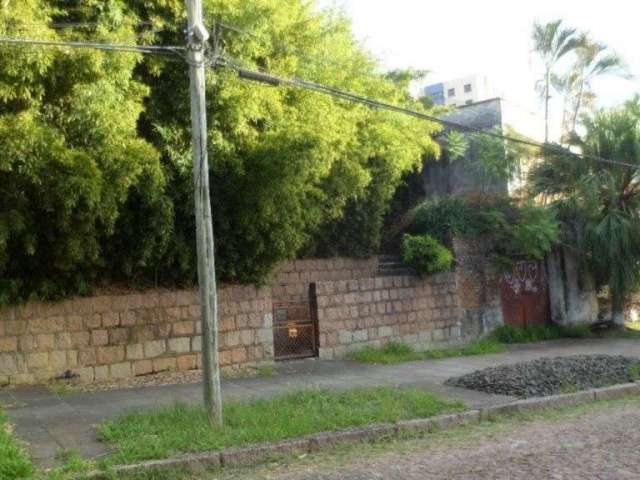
(551, 376)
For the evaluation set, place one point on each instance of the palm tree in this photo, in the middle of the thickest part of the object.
(599, 202)
(551, 41)
(593, 59)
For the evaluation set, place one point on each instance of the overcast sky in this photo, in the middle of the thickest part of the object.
(491, 37)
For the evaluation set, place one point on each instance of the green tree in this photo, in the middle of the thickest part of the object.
(551, 42)
(286, 164)
(71, 153)
(599, 202)
(95, 174)
(593, 59)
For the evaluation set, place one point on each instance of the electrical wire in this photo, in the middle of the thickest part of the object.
(265, 77)
(152, 49)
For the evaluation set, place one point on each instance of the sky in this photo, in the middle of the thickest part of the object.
(491, 37)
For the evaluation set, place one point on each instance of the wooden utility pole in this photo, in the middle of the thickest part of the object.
(197, 36)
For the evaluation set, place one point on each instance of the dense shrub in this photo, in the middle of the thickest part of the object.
(517, 230)
(426, 254)
(95, 165)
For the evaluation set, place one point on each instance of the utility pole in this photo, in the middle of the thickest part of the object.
(197, 37)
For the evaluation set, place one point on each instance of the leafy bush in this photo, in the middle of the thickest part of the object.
(95, 164)
(426, 254)
(517, 231)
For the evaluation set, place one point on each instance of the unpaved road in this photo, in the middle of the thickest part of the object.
(598, 441)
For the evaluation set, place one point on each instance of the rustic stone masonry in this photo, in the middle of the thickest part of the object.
(373, 311)
(291, 281)
(117, 336)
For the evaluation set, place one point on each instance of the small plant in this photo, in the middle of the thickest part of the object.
(634, 372)
(14, 460)
(539, 333)
(426, 254)
(396, 352)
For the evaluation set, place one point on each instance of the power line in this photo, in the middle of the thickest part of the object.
(265, 77)
(155, 49)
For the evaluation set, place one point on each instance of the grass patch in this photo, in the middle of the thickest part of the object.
(181, 428)
(14, 460)
(537, 333)
(394, 352)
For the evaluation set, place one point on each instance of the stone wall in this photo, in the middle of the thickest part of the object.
(291, 281)
(117, 336)
(373, 311)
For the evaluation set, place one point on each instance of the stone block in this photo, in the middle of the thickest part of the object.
(74, 323)
(360, 336)
(80, 339)
(154, 348)
(142, 367)
(93, 321)
(345, 337)
(179, 345)
(72, 358)
(110, 355)
(37, 360)
(385, 331)
(101, 373)
(58, 361)
(186, 362)
(265, 336)
(120, 370)
(15, 327)
(135, 351)
(87, 357)
(164, 364)
(231, 339)
(99, 337)
(183, 328)
(85, 374)
(247, 337)
(110, 319)
(8, 344)
(119, 336)
(196, 344)
(8, 363)
(238, 356)
(63, 341)
(128, 318)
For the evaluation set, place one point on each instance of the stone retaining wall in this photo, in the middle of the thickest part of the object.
(117, 336)
(372, 311)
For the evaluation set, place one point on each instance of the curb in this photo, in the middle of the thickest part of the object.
(256, 454)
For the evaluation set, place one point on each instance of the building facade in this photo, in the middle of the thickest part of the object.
(461, 91)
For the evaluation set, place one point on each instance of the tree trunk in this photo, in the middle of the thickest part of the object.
(547, 96)
(577, 107)
(617, 310)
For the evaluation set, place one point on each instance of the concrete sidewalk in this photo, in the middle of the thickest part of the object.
(49, 422)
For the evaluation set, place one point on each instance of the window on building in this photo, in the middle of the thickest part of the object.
(468, 102)
(467, 88)
(451, 92)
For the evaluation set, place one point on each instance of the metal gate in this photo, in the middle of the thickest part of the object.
(525, 295)
(295, 329)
